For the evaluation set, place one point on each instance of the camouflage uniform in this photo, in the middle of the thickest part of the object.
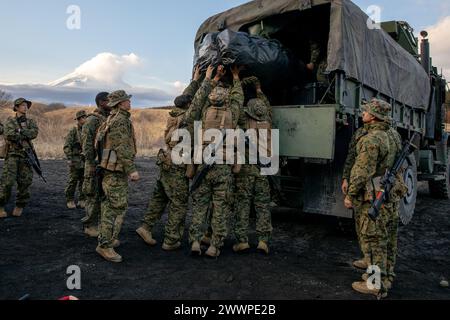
(91, 179)
(72, 150)
(349, 163)
(119, 138)
(250, 186)
(375, 153)
(216, 188)
(172, 187)
(16, 167)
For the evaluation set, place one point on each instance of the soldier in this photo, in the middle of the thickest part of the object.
(250, 186)
(19, 131)
(220, 109)
(172, 187)
(118, 165)
(362, 263)
(72, 150)
(91, 181)
(375, 153)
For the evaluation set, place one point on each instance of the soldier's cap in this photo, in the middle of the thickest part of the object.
(378, 108)
(183, 101)
(117, 97)
(101, 96)
(257, 109)
(80, 114)
(19, 101)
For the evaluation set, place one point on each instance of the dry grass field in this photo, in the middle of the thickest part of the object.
(55, 121)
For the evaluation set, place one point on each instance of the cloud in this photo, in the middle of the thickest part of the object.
(104, 72)
(106, 69)
(440, 45)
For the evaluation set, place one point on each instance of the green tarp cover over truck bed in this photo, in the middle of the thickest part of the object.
(369, 55)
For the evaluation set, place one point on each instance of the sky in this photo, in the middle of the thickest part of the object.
(143, 46)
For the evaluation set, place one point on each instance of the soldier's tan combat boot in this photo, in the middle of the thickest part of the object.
(361, 264)
(17, 212)
(212, 252)
(171, 247)
(109, 254)
(146, 236)
(71, 205)
(91, 232)
(263, 247)
(3, 213)
(196, 249)
(82, 204)
(116, 244)
(362, 287)
(241, 247)
(388, 284)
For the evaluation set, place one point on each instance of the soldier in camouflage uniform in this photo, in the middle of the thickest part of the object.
(72, 150)
(119, 151)
(250, 186)
(172, 187)
(220, 109)
(375, 153)
(362, 263)
(91, 181)
(19, 131)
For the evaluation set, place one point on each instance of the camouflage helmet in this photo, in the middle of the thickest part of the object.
(80, 114)
(117, 97)
(19, 101)
(218, 96)
(378, 108)
(257, 109)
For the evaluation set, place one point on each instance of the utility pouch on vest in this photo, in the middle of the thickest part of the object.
(105, 158)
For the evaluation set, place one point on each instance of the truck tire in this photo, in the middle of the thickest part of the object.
(441, 189)
(408, 204)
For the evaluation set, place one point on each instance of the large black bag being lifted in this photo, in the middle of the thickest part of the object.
(267, 59)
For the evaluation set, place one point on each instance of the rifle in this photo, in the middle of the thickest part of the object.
(388, 181)
(31, 156)
(198, 179)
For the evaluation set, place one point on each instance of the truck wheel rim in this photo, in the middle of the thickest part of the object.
(409, 181)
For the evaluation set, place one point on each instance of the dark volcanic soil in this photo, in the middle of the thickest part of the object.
(311, 257)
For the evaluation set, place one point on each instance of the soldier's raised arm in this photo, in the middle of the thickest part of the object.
(237, 97)
(199, 101)
(193, 87)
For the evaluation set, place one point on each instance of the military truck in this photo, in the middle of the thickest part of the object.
(362, 60)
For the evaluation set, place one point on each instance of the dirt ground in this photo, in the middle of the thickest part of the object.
(311, 256)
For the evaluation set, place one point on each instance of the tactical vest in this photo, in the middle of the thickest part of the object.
(13, 147)
(164, 158)
(173, 124)
(393, 146)
(103, 145)
(257, 125)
